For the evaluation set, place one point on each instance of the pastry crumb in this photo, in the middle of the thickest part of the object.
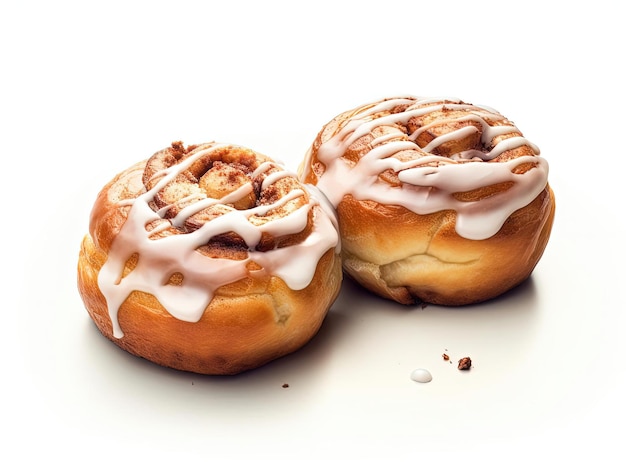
(445, 357)
(285, 385)
(465, 363)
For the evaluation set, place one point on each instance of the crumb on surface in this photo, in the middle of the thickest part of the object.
(445, 357)
(285, 385)
(465, 363)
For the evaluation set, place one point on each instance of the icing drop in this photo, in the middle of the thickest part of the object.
(421, 375)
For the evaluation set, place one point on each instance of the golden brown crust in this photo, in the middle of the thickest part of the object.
(247, 323)
(422, 259)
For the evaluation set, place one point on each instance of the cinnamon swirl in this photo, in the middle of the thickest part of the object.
(210, 258)
(438, 200)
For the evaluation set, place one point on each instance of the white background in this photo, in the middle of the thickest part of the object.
(89, 88)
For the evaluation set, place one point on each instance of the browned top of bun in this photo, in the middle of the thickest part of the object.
(204, 216)
(429, 155)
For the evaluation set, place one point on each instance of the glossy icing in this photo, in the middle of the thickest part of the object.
(421, 375)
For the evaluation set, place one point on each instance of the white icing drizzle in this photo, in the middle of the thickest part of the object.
(159, 259)
(428, 188)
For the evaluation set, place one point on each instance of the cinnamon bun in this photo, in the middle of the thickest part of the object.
(438, 200)
(211, 258)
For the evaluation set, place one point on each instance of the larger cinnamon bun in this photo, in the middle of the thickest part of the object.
(209, 258)
(438, 200)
